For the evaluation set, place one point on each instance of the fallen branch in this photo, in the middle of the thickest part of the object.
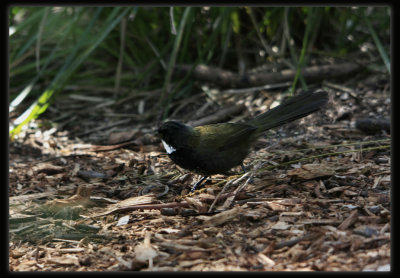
(219, 116)
(227, 78)
(371, 126)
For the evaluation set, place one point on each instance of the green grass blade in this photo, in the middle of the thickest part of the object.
(378, 44)
(312, 15)
(72, 63)
(174, 53)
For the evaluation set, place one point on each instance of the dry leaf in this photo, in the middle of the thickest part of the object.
(312, 171)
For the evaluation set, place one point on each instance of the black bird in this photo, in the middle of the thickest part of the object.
(216, 148)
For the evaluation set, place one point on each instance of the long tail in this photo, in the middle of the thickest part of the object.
(295, 108)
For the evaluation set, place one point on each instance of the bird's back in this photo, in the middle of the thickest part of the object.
(219, 147)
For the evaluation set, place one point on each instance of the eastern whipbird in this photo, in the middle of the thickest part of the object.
(216, 148)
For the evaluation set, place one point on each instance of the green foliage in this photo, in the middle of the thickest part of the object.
(51, 47)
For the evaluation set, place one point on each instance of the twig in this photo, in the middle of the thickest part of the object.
(182, 204)
(323, 155)
(103, 127)
(259, 88)
(229, 200)
(351, 92)
(225, 187)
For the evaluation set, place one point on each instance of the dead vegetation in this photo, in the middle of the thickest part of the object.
(317, 196)
(91, 188)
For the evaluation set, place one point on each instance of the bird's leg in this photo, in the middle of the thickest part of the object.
(244, 170)
(197, 184)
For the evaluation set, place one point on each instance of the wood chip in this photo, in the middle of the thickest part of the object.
(349, 220)
(221, 217)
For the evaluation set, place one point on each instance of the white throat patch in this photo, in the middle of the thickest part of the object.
(169, 149)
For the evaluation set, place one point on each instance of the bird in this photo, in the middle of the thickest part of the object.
(216, 148)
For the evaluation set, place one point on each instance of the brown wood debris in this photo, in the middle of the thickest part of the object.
(316, 196)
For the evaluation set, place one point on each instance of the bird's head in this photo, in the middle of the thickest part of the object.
(174, 135)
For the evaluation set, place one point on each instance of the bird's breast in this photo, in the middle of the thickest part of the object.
(208, 162)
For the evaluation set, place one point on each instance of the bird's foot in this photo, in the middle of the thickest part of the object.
(198, 184)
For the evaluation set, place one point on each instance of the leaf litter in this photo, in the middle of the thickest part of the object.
(118, 203)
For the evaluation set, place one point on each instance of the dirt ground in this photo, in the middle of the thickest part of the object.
(91, 189)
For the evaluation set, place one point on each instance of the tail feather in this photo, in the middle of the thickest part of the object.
(295, 108)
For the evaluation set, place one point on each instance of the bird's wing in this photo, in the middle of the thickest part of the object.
(223, 136)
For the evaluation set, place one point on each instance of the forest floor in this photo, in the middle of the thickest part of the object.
(91, 189)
